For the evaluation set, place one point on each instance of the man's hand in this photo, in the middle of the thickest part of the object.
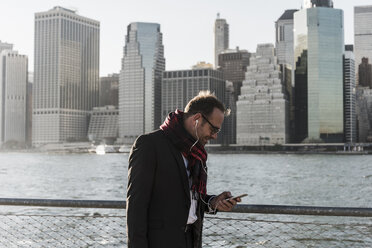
(224, 202)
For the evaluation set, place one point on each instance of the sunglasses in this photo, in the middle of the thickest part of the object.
(214, 128)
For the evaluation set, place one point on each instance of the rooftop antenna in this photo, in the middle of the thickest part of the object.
(218, 15)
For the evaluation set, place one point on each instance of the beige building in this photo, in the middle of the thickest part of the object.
(262, 107)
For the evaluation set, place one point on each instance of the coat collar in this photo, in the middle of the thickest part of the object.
(182, 168)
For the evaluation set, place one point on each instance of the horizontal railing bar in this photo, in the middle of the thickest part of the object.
(240, 208)
(303, 210)
(62, 203)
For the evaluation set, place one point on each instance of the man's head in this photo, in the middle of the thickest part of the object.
(204, 115)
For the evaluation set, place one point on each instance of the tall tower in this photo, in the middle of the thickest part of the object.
(221, 37)
(284, 38)
(363, 44)
(140, 79)
(318, 53)
(284, 53)
(13, 96)
(349, 95)
(233, 63)
(66, 75)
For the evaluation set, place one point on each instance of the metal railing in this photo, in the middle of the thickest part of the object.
(33, 223)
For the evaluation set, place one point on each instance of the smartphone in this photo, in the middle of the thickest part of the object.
(239, 196)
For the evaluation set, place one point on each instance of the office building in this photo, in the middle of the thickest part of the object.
(66, 75)
(318, 53)
(103, 125)
(284, 53)
(284, 38)
(363, 44)
(179, 87)
(262, 108)
(364, 114)
(233, 63)
(109, 90)
(221, 37)
(350, 127)
(140, 78)
(365, 73)
(13, 96)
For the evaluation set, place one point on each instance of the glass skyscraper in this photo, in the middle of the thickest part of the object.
(140, 81)
(318, 54)
(66, 75)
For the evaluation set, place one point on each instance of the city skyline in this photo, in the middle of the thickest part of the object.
(195, 35)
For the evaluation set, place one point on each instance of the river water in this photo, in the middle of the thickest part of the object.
(317, 180)
(273, 179)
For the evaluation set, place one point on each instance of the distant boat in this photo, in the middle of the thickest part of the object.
(100, 150)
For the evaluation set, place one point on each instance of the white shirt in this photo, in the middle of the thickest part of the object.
(192, 212)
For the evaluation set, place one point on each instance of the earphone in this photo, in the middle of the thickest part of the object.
(196, 134)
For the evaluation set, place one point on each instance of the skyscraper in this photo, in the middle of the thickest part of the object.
(233, 63)
(13, 96)
(109, 90)
(66, 75)
(363, 43)
(318, 52)
(284, 53)
(349, 95)
(140, 78)
(262, 108)
(179, 87)
(221, 37)
(284, 38)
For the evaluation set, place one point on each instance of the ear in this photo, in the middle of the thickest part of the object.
(197, 117)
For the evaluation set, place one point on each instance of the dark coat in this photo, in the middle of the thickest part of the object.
(158, 195)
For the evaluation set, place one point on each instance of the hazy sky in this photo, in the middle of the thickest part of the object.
(187, 25)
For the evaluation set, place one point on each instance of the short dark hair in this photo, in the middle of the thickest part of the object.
(204, 103)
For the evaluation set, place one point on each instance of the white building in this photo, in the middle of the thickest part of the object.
(221, 37)
(262, 108)
(284, 38)
(362, 35)
(13, 96)
(66, 75)
(349, 96)
(140, 78)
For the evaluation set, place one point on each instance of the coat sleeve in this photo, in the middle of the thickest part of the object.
(141, 171)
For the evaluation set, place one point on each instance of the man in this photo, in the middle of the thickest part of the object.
(167, 177)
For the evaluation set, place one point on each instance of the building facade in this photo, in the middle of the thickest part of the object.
(103, 125)
(221, 37)
(233, 63)
(318, 53)
(363, 43)
(284, 38)
(66, 75)
(109, 90)
(179, 87)
(262, 108)
(140, 79)
(350, 127)
(13, 96)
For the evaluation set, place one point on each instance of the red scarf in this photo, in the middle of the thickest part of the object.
(196, 155)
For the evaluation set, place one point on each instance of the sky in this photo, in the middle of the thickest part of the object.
(187, 25)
